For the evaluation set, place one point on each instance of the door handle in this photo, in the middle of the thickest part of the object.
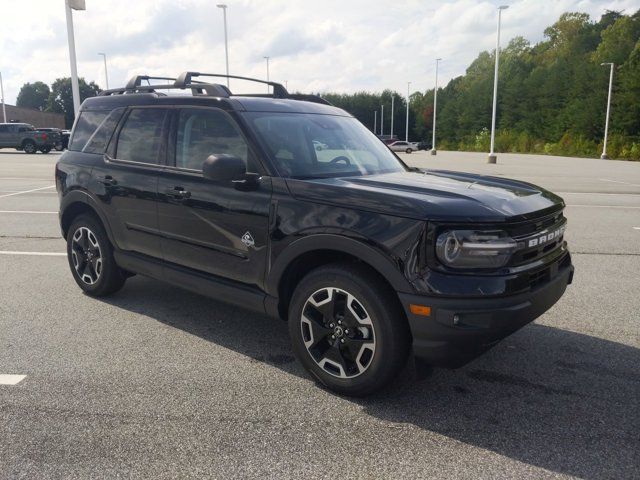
(179, 193)
(108, 181)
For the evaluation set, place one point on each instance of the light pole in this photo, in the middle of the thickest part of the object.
(406, 139)
(381, 120)
(75, 5)
(392, 110)
(492, 156)
(4, 110)
(226, 45)
(286, 85)
(435, 107)
(375, 121)
(606, 122)
(267, 59)
(106, 75)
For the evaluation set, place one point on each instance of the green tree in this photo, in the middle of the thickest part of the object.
(61, 97)
(33, 95)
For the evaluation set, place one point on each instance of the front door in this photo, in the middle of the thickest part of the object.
(208, 226)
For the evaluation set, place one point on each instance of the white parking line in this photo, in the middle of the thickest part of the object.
(43, 254)
(596, 193)
(636, 228)
(618, 181)
(24, 211)
(26, 191)
(11, 379)
(603, 206)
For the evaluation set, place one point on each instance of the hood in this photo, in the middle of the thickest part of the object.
(433, 195)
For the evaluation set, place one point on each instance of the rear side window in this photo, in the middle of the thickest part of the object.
(98, 141)
(87, 124)
(141, 136)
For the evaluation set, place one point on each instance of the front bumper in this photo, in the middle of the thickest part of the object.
(479, 323)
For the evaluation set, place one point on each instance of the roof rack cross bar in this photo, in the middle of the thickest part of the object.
(185, 78)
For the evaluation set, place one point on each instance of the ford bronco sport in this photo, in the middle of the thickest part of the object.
(370, 261)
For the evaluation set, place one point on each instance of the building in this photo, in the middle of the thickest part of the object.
(34, 117)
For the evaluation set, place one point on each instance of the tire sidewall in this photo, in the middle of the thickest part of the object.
(106, 252)
(29, 147)
(377, 372)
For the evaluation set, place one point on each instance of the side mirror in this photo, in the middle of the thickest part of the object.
(223, 167)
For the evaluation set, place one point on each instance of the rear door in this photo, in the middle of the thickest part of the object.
(128, 179)
(212, 226)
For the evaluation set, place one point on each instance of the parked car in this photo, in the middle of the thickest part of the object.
(369, 261)
(402, 146)
(423, 145)
(23, 136)
(56, 137)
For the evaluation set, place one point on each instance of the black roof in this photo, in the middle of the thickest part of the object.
(193, 92)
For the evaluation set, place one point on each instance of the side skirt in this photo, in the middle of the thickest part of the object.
(208, 285)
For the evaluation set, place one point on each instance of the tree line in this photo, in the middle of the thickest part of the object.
(58, 98)
(552, 96)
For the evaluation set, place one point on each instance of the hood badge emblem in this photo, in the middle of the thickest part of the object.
(247, 239)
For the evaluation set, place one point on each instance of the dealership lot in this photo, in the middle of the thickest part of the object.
(160, 383)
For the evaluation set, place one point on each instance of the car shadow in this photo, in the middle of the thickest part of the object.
(551, 398)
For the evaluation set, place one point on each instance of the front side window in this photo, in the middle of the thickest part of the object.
(321, 146)
(203, 132)
(141, 136)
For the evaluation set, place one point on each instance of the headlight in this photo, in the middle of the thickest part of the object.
(474, 249)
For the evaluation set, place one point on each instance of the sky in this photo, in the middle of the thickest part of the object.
(313, 45)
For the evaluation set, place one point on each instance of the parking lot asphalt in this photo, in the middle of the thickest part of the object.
(155, 382)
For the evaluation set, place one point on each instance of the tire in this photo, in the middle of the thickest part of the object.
(371, 339)
(408, 150)
(59, 147)
(45, 149)
(88, 245)
(29, 147)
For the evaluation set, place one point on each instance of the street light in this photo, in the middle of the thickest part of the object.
(226, 45)
(492, 156)
(375, 120)
(406, 139)
(606, 122)
(106, 75)
(381, 120)
(267, 59)
(392, 110)
(435, 107)
(4, 110)
(75, 5)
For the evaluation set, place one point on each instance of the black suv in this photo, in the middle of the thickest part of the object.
(369, 260)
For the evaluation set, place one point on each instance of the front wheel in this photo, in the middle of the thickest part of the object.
(347, 329)
(408, 150)
(29, 147)
(91, 259)
(45, 149)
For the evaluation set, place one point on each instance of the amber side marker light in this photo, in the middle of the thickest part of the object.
(420, 310)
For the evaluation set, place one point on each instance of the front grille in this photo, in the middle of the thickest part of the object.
(529, 236)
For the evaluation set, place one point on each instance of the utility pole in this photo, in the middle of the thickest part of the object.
(406, 139)
(382, 120)
(492, 156)
(75, 89)
(226, 44)
(106, 75)
(435, 108)
(4, 110)
(606, 122)
(375, 121)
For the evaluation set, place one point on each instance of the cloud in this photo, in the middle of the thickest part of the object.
(316, 45)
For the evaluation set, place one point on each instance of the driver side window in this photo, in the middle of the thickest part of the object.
(203, 132)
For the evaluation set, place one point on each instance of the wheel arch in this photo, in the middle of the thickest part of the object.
(77, 203)
(309, 253)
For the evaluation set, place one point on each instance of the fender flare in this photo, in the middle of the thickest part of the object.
(81, 196)
(369, 255)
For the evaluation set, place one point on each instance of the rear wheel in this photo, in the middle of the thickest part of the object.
(348, 330)
(29, 146)
(45, 149)
(91, 259)
(408, 150)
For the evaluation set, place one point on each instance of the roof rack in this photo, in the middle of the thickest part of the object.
(186, 81)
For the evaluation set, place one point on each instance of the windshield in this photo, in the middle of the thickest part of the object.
(320, 146)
